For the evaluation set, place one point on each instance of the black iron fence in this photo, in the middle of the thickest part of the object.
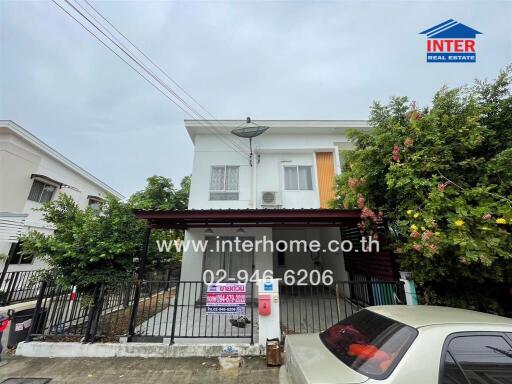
(156, 310)
(142, 311)
(19, 286)
(314, 308)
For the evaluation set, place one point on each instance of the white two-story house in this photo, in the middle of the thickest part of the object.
(32, 173)
(287, 182)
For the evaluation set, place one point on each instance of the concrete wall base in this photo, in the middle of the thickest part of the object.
(64, 349)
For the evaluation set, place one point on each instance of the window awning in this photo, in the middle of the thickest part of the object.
(47, 179)
(95, 198)
(212, 218)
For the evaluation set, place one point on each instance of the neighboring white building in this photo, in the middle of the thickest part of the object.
(294, 166)
(32, 173)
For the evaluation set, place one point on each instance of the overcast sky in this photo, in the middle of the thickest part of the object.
(267, 60)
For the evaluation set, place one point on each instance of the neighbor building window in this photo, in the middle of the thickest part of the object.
(94, 203)
(41, 192)
(224, 182)
(298, 178)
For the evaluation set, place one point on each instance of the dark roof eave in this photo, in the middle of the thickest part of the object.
(249, 217)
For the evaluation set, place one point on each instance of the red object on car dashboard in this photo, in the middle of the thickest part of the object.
(367, 351)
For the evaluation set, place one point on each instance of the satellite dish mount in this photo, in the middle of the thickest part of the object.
(249, 130)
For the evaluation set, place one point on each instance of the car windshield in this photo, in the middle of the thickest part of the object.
(369, 343)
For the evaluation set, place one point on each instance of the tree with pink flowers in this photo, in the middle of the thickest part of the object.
(442, 177)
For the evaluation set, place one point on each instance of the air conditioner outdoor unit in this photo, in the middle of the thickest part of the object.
(270, 199)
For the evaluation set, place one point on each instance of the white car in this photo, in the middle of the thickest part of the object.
(403, 344)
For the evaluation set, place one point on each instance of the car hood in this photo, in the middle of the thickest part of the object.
(308, 361)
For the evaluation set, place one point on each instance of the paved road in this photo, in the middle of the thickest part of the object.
(138, 370)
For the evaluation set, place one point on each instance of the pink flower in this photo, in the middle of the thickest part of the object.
(415, 234)
(427, 235)
(360, 201)
(417, 247)
(487, 217)
(441, 187)
(396, 153)
(367, 213)
(408, 142)
(352, 183)
(433, 248)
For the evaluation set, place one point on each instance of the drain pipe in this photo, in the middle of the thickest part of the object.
(254, 174)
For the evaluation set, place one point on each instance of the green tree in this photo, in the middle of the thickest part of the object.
(87, 246)
(443, 178)
(90, 246)
(160, 193)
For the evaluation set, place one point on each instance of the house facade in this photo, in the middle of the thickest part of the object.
(292, 169)
(32, 173)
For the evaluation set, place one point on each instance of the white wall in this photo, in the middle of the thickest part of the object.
(274, 151)
(192, 262)
(333, 260)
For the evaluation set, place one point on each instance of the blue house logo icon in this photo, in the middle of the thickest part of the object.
(451, 42)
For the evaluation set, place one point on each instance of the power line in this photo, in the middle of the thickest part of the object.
(152, 62)
(127, 52)
(135, 69)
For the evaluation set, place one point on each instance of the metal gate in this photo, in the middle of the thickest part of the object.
(314, 308)
(149, 311)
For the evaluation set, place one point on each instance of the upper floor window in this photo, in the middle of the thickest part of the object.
(41, 192)
(298, 178)
(94, 202)
(224, 182)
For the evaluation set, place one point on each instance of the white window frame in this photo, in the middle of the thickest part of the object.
(297, 166)
(224, 191)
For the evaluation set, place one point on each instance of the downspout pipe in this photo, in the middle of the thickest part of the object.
(254, 174)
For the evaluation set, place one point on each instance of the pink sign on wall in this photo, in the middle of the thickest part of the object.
(225, 298)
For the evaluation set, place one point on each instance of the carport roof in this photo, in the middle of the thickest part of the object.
(211, 218)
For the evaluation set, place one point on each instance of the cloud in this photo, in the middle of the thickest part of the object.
(286, 60)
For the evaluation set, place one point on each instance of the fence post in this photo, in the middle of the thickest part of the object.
(175, 310)
(140, 277)
(37, 310)
(410, 292)
(98, 305)
(369, 287)
(409, 288)
(252, 313)
(90, 315)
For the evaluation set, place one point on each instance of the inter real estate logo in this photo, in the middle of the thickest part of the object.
(451, 42)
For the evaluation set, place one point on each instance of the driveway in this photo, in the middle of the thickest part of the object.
(138, 370)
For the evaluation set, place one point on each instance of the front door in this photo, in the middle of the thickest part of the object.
(220, 259)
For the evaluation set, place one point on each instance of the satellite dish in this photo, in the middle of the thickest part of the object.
(248, 130)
